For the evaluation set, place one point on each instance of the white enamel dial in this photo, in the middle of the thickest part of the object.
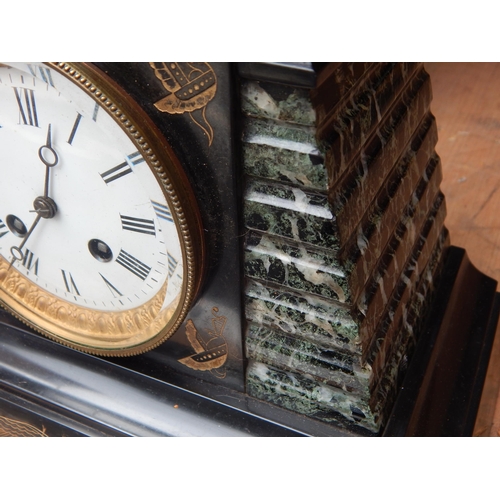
(83, 216)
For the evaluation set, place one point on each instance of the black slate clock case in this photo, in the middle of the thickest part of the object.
(204, 142)
(194, 383)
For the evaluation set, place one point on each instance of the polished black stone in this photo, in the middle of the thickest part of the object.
(73, 393)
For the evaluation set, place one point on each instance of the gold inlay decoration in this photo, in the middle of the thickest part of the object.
(191, 86)
(16, 428)
(210, 349)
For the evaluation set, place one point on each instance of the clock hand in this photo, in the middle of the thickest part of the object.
(49, 158)
(17, 252)
(44, 206)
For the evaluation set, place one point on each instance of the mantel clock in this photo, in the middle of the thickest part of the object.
(231, 249)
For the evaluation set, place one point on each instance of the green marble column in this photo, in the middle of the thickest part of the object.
(344, 237)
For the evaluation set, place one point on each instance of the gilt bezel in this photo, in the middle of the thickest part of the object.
(136, 330)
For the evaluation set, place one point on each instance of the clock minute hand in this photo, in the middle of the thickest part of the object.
(17, 251)
(49, 158)
(44, 206)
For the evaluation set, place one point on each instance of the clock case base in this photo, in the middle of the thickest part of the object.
(63, 392)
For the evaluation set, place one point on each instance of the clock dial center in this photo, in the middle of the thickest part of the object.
(45, 207)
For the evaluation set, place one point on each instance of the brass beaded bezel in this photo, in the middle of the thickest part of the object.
(170, 176)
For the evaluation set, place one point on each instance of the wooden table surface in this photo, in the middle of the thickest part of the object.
(467, 108)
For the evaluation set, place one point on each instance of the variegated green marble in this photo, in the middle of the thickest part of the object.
(326, 365)
(407, 283)
(279, 134)
(309, 268)
(320, 320)
(290, 212)
(295, 265)
(277, 102)
(392, 360)
(336, 258)
(387, 273)
(367, 244)
(377, 299)
(352, 194)
(346, 77)
(354, 121)
(284, 165)
(305, 395)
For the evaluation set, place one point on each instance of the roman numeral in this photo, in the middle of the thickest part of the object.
(162, 211)
(69, 282)
(133, 265)
(172, 264)
(134, 159)
(75, 127)
(144, 226)
(123, 168)
(27, 107)
(29, 261)
(2, 227)
(116, 172)
(96, 109)
(111, 288)
(43, 73)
